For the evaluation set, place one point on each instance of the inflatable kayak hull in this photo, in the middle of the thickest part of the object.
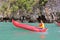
(28, 27)
(58, 24)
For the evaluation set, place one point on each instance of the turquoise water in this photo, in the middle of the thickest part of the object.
(9, 32)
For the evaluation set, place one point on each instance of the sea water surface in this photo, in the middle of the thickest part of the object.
(9, 32)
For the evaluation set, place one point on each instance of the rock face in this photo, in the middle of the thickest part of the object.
(53, 7)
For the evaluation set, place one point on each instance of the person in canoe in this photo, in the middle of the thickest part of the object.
(41, 25)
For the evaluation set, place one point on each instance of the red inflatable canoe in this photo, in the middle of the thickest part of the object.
(58, 24)
(28, 27)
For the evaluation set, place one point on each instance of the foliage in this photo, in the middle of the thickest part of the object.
(42, 2)
(15, 5)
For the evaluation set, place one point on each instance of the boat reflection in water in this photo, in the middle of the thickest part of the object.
(42, 37)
